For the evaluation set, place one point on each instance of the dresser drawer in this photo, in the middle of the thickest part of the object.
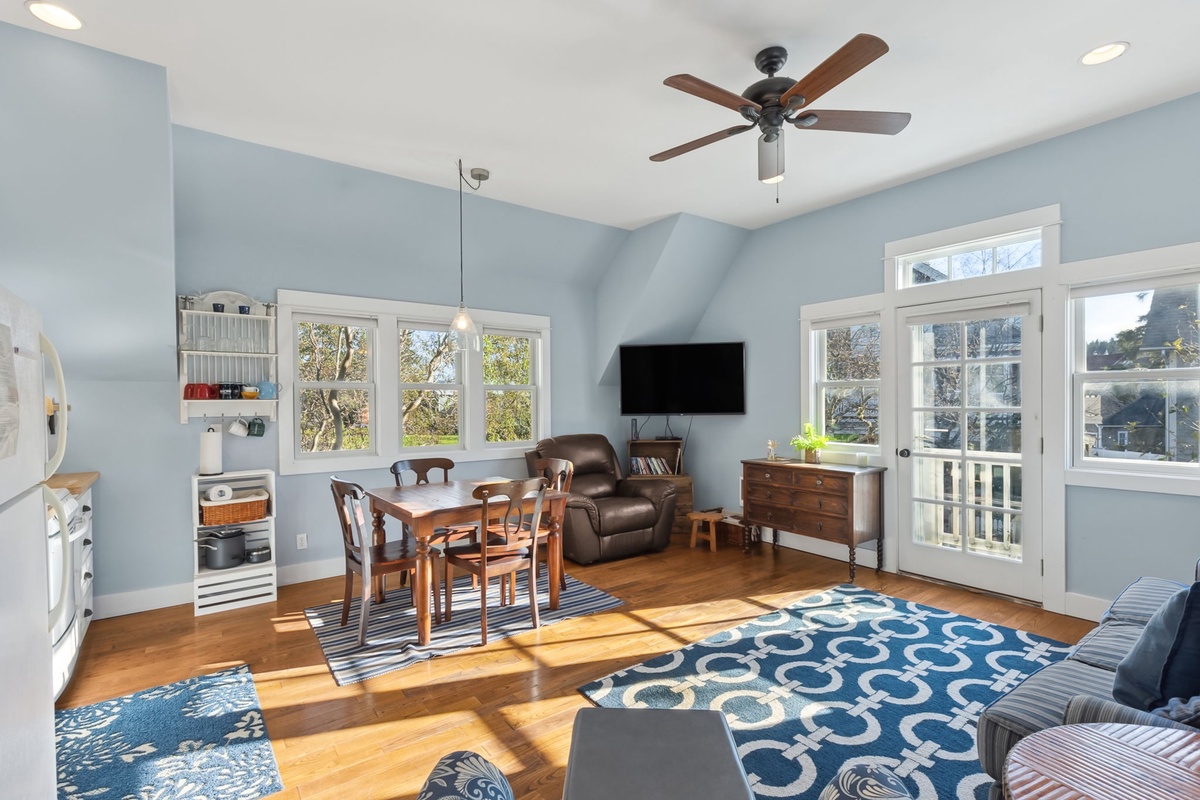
(822, 482)
(833, 504)
(770, 493)
(771, 516)
(765, 474)
(835, 529)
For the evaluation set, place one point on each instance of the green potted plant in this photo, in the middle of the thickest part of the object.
(810, 443)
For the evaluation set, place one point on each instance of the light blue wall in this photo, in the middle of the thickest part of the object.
(1126, 185)
(255, 219)
(86, 235)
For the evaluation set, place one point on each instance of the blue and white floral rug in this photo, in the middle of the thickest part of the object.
(202, 737)
(847, 676)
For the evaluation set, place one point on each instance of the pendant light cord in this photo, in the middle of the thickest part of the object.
(461, 180)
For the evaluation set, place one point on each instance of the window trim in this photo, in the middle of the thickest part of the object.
(388, 314)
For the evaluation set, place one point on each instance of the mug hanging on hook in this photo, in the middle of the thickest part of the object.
(239, 427)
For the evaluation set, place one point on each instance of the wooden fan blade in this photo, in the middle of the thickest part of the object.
(853, 56)
(703, 140)
(888, 122)
(706, 91)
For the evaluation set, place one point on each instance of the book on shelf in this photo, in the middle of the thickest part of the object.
(649, 465)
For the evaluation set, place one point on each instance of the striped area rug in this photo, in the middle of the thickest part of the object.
(392, 629)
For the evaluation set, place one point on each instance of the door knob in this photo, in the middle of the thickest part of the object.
(905, 453)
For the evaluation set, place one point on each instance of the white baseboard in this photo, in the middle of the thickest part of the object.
(311, 571)
(1085, 606)
(118, 605)
(864, 557)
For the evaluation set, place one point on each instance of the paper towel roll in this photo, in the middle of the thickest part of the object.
(220, 492)
(210, 452)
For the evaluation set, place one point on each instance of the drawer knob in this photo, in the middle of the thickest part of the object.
(87, 612)
(767, 475)
(87, 576)
(768, 495)
(770, 516)
(86, 542)
(820, 504)
(820, 481)
(820, 526)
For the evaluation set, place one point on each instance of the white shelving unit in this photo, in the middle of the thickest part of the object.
(226, 347)
(249, 584)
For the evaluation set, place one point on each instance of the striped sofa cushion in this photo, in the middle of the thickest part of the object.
(1039, 702)
(1095, 709)
(1106, 645)
(1140, 599)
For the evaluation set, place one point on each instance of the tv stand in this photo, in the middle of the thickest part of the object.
(668, 456)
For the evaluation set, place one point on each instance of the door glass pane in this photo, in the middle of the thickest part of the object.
(936, 524)
(1144, 420)
(992, 432)
(429, 417)
(993, 533)
(938, 387)
(993, 484)
(937, 479)
(994, 385)
(994, 338)
(938, 342)
(937, 430)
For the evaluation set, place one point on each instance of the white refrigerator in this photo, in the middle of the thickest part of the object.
(27, 711)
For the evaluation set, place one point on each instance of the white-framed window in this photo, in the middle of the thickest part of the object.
(335, 391)
(843, 367)
(402, 389)
(846, 365)
(1135, 375)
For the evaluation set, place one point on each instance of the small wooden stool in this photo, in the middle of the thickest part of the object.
(709, 517)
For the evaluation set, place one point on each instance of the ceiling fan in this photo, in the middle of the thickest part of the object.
(773, 102)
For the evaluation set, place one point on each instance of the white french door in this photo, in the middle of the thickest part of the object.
(969, 441)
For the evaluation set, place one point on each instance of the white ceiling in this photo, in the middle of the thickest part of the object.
(563, 99)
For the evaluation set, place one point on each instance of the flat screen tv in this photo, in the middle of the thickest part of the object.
(683, 379)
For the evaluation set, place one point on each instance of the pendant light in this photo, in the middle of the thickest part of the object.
(462, 327)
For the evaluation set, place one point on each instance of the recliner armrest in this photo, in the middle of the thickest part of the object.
(654, 491)
(586, 503)
(1088, 708)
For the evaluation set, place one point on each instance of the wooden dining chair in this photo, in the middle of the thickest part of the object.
(369, 560)
(559, 472)
(509, 546)
(421, 467)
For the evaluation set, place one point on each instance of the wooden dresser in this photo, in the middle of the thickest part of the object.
(834, 502)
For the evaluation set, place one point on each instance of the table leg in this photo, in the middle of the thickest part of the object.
(555, 553)
(852, 563)
(378, 537)
(423, 531)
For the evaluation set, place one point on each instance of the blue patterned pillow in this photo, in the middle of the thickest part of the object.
(865, 782)
(1165, 661)
(463, 775)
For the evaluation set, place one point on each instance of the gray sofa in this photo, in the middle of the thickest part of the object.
(1080, 687)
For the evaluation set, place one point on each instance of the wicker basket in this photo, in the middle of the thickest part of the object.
(243, 507)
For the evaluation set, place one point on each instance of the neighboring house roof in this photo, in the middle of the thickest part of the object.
(1172, 317)
(1147, 411)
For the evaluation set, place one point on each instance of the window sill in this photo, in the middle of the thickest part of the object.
(1188, 485)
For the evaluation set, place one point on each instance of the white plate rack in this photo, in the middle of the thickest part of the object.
(218, 347)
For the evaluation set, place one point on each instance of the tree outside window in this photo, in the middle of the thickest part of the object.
(334, 388)
(430, 388)
(508, 383)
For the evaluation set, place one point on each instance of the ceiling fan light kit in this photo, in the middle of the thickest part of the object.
(774, 102)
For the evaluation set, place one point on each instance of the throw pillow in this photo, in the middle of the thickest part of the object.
(1180, 709)
(1165, 660)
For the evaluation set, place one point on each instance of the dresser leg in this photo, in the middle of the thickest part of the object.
(774, 538)
(852, 564)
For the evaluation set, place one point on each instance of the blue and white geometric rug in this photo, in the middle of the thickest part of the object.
(392, 626)
(199, 738)
(845, 676)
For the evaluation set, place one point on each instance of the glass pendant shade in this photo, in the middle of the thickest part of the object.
(462, 327)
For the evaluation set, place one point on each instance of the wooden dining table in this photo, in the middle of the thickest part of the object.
(427, 506)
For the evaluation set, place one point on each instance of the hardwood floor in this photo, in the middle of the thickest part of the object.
(514, 700)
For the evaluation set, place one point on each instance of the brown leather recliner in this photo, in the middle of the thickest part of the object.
(607, 517)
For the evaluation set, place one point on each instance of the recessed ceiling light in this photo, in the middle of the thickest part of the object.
(53, 14)
(1103, 53)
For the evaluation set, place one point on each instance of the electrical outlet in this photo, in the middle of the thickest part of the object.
(301, 541)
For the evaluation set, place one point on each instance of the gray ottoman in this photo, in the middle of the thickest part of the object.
(651, 753)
